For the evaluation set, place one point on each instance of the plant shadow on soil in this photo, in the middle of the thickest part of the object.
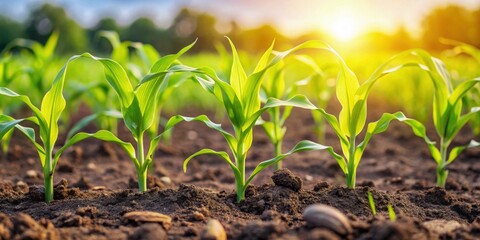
(96, 187)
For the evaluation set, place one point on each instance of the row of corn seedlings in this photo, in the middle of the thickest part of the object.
(142, 90)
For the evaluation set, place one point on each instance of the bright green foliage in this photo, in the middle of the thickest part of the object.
(46, 118)
(353, 115)
(41, 59)
(448, 118)
(240, 96)
(371, 202)
(8, 74)
(471, 99)
(35, 70)
(139, 107)
(274, 86)
(322, 87)
(391, 213)
(140, 64)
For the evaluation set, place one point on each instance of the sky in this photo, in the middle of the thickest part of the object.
(293, 17)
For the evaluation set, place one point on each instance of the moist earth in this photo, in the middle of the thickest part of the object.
(96, 188)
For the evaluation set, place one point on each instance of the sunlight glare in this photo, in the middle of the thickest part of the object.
(343, 27)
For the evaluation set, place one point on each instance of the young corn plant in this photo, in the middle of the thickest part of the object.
(472, 99)
(274, 87)
(448, 118)
(46, 118)
(41, 58)
(147, 56)
(240, 96)
(139, 108)
(322, 87)
(353, 115)
(8, 73)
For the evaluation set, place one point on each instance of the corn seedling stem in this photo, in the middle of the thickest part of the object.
(278, 151)
(442, 173)
(48, 175)
(352, 170)
(142, 172)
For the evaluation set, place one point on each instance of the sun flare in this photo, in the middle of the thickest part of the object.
(343, 27)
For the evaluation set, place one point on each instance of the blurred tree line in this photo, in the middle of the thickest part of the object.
(453, 22)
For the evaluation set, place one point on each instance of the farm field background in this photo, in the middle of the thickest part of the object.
(213, 128)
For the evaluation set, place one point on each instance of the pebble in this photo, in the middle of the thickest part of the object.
(31, 174)
(166, 180)
(192, 135)
(31, 161)
(148, 217)
(213, 231)
(324, 216)
(308, 178)
(442, 227)
(91, 166)
(198, 216)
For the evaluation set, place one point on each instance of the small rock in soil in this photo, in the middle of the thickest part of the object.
(285, 178)
(31, 174)
(198, 216)
(91, 166)
(148, 217)
(324, 216)
(269, 215)
(442, 227)
(166, 180)
(213, 231)
(21, 186)
(149, 231)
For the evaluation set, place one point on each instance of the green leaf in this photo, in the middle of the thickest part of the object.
(457, 150)
(117, 78)
(90, 118)
(165, 62)
(296, 101)
(238, 77)
(7, 123)
(51, 44)
(134, 119)
(221, 154)
(460, 123)
(232, 142)
(304, 145)
(461, 90)
(53, 104)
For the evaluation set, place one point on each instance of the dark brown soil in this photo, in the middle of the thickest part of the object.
(96, 186)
